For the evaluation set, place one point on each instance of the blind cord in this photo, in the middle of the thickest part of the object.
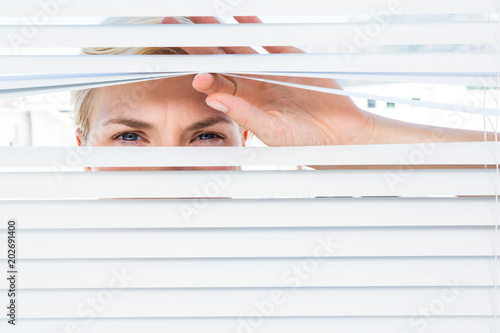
(497, 183)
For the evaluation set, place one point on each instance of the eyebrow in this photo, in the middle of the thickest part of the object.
(142, 125)
(207, 123)
(133, 123)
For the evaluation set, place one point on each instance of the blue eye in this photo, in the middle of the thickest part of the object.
(129, 137)
(208, 136)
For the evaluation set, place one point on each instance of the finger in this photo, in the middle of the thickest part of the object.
(192, 50)
(247, 19)
(283, 49)
(170, 20)
(248, 116)
(270, 49)
(213, 83)
(204, 20)
(238, 50)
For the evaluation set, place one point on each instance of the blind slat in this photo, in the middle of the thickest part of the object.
(458, 153)
(244, 8)
(293, 242)
(255, 184)
(448, 78)
(39, 81)
(452, 153)
(241, 302)
(252, 273)
(248, 213)
(447, 324)
(477, 64)
(344, 35)
(65, 87)
(23, 92)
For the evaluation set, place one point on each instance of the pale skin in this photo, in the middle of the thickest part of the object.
(277, 115)
(168, 112)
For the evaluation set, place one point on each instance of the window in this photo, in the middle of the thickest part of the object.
(398, 236)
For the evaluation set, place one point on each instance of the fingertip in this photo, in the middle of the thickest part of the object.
(247, 19)
(203, 81)
(170, 20)
(202, 75)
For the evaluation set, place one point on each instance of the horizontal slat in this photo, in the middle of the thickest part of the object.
(241, 8)
(35, 81)
(224, 213)
(252, 273)
(241, 302)
(478, 64)
(344, 34)
(254, 243)
(23, 92)
(453, 153)
(449, 78)
(247, 184)
(269, 325)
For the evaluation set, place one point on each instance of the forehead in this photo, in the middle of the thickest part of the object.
(156, 100)
(133, 95)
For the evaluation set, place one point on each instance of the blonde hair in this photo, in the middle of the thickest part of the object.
(82, 99)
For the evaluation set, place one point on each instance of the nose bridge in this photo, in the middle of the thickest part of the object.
(169, 139)
(170, 135)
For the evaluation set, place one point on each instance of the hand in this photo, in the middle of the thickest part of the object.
(279, 115)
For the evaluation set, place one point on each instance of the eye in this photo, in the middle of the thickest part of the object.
(128, 137)
(208, 136)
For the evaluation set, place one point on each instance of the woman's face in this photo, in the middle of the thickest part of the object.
(166, 112)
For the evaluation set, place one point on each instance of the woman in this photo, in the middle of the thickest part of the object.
(216, 110)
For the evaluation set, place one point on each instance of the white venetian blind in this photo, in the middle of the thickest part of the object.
(401, 238)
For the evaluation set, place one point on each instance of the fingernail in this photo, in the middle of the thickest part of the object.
(215, 104)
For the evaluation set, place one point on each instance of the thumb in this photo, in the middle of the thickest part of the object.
(265, 126)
